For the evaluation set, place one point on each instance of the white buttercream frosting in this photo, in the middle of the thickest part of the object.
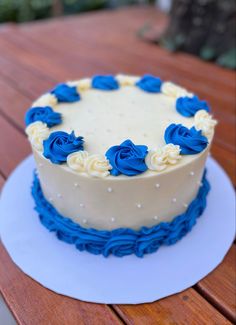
(77, 161)
(203, 121)
(81, 85)
(97, 166)
(170, 89)
(45, 100)
(37, 132)
(159, 159)
(125, 80)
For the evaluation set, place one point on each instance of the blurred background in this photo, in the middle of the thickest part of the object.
(206, 28)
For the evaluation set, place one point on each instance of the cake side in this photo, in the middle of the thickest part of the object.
(114, 202)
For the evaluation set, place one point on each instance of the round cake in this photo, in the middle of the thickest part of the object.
(120, 162)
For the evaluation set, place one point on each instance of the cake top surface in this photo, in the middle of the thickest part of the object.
(106, 119)
(119, 125)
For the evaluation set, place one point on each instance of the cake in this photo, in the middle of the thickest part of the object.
(120, 162)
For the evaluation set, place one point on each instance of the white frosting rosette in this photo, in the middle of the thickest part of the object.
(81, 85)
(125, 80)
(37, 132)
(97, 166)
(203, 121)
(77, 161)
(45, 100)
(170, 89)
(159, 159)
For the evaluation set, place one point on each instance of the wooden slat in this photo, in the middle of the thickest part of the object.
(226, 159)
(13, 147)
(187, 307)
(85, 35)
(31, 83)
(1, 181)
(13, 104)
(219, 287)
(31, 303)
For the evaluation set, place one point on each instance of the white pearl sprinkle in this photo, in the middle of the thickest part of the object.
(113, 219)
(59, 195)
(157, 185)
(109, 189)
(84, 220)
(185, 205)
(191, 173)
(50, 199)
(174, 199)
(76, 184)
(155, 217)
(81, 205)
(40, 165)
(139, 205)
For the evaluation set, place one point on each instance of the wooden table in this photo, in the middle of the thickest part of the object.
(35, 56)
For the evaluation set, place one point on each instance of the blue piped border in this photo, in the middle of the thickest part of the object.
(121, 241)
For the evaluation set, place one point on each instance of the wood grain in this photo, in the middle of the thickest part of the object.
(13, 104)
(32, 60)
(14, 147)
(2, 181)
(187, 307)
(222, 280)
(33, 304)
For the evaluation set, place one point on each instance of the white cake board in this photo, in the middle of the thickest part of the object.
(128, 280)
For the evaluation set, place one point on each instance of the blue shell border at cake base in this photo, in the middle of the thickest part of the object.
(121, 241)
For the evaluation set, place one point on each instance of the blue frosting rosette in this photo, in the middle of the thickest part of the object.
(60, 144)
(65, 93)
(105, 83)
(188, 106)
(190, 141)
(43, 114)
(127, 158)
(150, 83)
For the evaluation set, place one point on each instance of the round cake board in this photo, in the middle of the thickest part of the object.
(127, 280)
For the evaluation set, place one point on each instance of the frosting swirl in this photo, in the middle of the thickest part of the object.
(97, 166)
(127, 158)
(105, 82)
(44, 114)
(188, 106)
(170, 89)
(120, 241)
(94, 165)
(159, 159)
(65, 93)
(150, 83)
(190, 141)
(45, 100)
(81, 85)
(60, 144)
(204, 122)
(77, 160)
(37, 132)
(125, 80)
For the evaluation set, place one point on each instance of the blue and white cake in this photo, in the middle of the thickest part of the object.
(120, 162)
